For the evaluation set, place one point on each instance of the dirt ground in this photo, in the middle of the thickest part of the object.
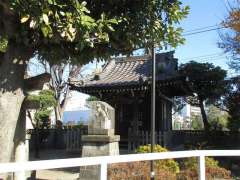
(55, 174)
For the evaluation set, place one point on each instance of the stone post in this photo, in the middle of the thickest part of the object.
(100, 140)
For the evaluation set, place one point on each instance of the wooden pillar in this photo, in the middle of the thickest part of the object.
(135, 121)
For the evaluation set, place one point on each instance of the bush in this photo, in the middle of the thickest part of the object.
(164, 169)
(137, 171)
(189, 170)
(192, 163)
(211, 174)
(168, 164)
(217, 173)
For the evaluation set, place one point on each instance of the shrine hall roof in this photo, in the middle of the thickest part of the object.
(130, 71)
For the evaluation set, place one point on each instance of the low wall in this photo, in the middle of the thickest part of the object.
(68, 139)
(186, 139)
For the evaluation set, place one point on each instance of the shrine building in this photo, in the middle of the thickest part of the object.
(125, 84)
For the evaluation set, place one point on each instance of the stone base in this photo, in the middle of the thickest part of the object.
(100, 149)
(99, 139)
(95, 131)
(90, 172)
(97, 145)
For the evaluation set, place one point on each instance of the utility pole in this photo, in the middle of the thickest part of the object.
(153, 107)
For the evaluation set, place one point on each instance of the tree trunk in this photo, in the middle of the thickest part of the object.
(37, 141)
(204, 115)
(21, 152)
(59, 109)
(12, 69)
(57, 112)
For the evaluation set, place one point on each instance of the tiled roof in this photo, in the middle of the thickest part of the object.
(130, 71)
(37, 82)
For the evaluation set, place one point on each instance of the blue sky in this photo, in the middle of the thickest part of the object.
(203, 13)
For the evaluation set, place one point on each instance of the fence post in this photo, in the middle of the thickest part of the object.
(104, 171)
(201, 167)
(129, 143)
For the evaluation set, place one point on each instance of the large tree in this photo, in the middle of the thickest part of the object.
(231, 44)
(232, 103)
(73, 31)
(231, 37)
(207, 83)
(217, 118)
(61, 74)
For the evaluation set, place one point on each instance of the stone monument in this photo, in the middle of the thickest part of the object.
(101, 139)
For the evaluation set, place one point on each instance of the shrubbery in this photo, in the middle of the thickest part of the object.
(165, 169)
(192, 163)
(189, 169)
(137, 171)
(167, 165)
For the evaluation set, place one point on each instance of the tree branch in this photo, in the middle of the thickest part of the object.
(31, 119)
(221, 108)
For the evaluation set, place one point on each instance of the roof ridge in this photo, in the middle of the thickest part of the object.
(138, 58)
(131, 59)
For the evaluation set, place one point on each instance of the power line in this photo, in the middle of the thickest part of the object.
(210, 60)
(203, 31)
(202, 28)
(205, 56)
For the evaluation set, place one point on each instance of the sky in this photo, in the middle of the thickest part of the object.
(203, 13)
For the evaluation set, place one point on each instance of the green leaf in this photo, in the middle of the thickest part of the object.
(45, 19)
(103, 16)
(25, 18)
(50, 1)
(62, 13)
(113, 21)
(3, 44)
(45, 30)
(111, 28)
(84, 9)
(32, 23)
(84, 3)
(87, 18)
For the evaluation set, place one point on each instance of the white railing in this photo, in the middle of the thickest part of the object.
(105, 160)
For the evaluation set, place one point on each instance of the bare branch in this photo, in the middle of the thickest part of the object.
(31, 119)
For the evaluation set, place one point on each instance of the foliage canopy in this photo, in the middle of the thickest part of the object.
(231, 39)
(81, 30)
(232, 103)
(47, 101)
(205, 79)
(218, 119)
